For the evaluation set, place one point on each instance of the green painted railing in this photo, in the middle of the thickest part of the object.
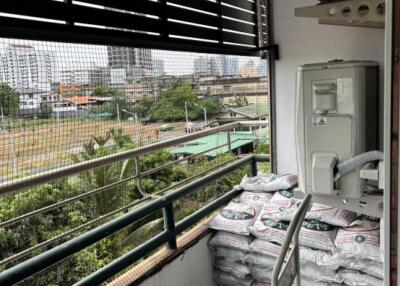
(167, 236)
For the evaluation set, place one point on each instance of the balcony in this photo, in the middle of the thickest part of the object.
(173, 216)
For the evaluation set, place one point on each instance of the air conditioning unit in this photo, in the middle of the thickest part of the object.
(336, 120)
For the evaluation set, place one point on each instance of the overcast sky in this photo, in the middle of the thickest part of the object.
(77, 56)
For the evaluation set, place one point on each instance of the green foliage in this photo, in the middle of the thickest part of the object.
(44, 226)
(9, 100)
(171, 106)
(41, 227)
(262, 148)
(98, 147)
(193, 202)
(103, 91)
(142, 108)
(241, 101)
(45, 113)
(117, 104)
(71, 270)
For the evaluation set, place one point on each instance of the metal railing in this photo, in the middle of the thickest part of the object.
(17, 185)
(30, 181)
(287, 267)
(171, 229)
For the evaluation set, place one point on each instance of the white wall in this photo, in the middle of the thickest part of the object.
(303, 40)
(193, 268)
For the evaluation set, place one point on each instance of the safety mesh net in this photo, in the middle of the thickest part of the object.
(63, 104)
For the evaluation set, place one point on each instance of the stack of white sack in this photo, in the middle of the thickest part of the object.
(231, 244)
(336, 247)
(315, 264)
(229, 252)
(317, 235)
(359, 253)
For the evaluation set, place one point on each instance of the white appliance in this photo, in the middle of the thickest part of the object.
(336, 119)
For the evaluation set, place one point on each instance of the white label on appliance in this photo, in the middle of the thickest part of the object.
(320, 121)
(344, 89)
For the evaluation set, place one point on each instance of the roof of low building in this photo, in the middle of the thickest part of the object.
(252, 110)
(80, 100)
(203, 144)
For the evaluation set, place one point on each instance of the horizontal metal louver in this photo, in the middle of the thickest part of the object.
(221, 26)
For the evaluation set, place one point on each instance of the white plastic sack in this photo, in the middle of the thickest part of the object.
(258, 283)
(282, 206)
(318, 235)
(318, 275)
(315, 272)
(256, 200)
(235, 218)
(307, 282)
(261, 274)
(331, 215)
(265, 248)
(231, 240)
(356, 278)
(268, 183)
(360, 239)
(268, 228)
(230, 254)
(262, 261)
(263, 253)
(239, 270)
(349, 261)
(320, 257)
(226, 279)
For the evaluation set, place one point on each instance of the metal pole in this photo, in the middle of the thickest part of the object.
(254, 168)
(187, 118)
(139, 178)
(58, 115)
(169, 225)
(118, 116)
(12, 145)
(228, 134)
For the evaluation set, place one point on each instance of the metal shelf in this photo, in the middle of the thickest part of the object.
(357, 13)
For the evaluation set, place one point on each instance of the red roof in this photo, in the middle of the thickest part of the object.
(81, 100)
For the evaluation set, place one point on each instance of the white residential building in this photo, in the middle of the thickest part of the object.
(24, 67)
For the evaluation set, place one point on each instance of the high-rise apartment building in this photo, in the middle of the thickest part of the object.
(136, 62)
(216, 66)
(202, 65)
(158, 67)
(22, 66)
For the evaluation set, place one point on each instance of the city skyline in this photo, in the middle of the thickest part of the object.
(82, 56)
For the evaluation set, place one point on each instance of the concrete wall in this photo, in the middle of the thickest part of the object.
(193, 268)
(303, 40)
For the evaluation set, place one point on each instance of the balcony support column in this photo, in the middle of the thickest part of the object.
(169, 225)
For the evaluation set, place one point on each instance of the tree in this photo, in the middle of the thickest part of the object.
(143, 106)
(117, 103)
(241, 101)
(100, 146)
(104, 91)
(171, 105)
(9, 100)
(45, 113)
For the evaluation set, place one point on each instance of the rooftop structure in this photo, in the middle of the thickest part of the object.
(240, 143)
